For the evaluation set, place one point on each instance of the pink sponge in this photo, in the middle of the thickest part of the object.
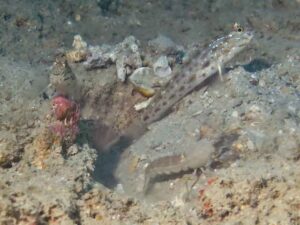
(67, 113)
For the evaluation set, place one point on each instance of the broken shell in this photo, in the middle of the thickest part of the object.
(142, 75)
(142, 105)
(161, 67)
(146, 92)
(143, 79)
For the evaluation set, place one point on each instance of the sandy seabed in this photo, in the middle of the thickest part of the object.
(253, 116)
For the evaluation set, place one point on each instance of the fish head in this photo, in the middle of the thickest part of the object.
(227, 47)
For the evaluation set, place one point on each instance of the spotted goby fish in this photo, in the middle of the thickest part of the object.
(200, 68)
(198, 157)
(208, 63)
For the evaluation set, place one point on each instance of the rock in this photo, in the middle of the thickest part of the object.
(127, 57)
(162, 44)
(161, 67)
(125, 54)
(100, 57)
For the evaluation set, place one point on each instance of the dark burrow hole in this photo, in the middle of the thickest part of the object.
(108, 161)
(98, 135)
(257, 65)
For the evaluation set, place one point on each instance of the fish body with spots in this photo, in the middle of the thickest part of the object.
(200, 68)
